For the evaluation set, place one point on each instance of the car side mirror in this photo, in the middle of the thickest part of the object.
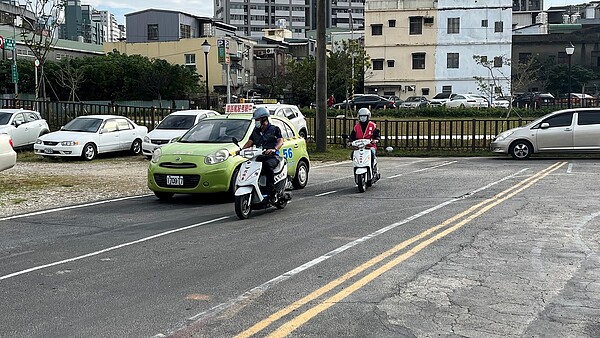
(545, 125)
(17, 123)
(345, 136)
(103, 130)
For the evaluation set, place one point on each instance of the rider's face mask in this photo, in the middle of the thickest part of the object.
(363, 118)
(257, 123)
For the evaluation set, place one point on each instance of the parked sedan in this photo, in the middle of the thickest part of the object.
(172, 126)
(24, 126)
(88, 136)
(8, 157)
(466, 101)
(563, 131)
(441, 99)
(370, 101)
(413, 102)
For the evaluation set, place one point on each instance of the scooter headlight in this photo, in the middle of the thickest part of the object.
(217, 157)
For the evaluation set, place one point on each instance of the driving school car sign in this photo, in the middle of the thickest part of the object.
(238, 108)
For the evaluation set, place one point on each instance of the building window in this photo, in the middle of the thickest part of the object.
(425, 91)
(376, 29)
(185, 31)
(392, 23)
(415, 26)
(483, 59)
(453, 25)
(499, 26)
(153, 32)
(428, 20)
(498, 61)
(446, 89)
(562, 58)
(484, 23)
(391, 63)
(452, 60)
(524, 57)
(377, 64)
(190, 59)
(418, 61)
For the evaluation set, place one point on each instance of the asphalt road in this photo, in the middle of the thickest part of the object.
(475, 247)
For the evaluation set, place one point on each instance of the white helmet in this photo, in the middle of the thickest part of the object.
(364, 112)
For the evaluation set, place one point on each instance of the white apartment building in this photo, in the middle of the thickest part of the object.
(424, 47)
(112, 30)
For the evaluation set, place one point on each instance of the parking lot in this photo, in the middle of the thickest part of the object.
(478, 247)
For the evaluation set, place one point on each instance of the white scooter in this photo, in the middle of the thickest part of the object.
(250, 185)
(365, 167)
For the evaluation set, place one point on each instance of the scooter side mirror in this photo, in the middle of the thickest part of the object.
(235, 141)
(345, 136)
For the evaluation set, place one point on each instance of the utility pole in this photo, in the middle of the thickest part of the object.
(321, 114)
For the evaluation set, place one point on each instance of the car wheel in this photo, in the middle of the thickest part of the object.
(301, 177)
(89, 152)
(231, 191)
(136, 147)
(521, 150)
(163, 196)
(303, 133)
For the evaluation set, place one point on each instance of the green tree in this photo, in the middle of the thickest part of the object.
(558, 78)
(301, 80)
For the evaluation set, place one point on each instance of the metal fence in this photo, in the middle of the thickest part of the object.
(427, 134)
(57, 114)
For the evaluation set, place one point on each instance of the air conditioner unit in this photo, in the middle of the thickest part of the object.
(270, 51)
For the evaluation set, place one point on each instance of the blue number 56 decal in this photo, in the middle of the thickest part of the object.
(287, 153)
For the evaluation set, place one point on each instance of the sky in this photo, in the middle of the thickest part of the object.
(204, 7)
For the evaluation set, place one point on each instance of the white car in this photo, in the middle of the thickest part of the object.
(501, 102)
(466, 101)
(88, 136)
(290, 112)
(172, 126)
(23, 126)
(440, 99)
(8, 157)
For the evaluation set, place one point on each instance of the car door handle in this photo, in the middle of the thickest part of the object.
(568, 129)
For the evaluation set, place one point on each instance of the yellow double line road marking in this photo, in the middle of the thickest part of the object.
(472, 213)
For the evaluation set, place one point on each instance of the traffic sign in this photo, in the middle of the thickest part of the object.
(9, 44)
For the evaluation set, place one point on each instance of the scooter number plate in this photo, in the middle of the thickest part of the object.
(174, 180)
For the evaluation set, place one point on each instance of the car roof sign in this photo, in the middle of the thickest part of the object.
(231, 108)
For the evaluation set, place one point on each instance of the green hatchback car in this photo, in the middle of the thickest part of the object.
(204, 159)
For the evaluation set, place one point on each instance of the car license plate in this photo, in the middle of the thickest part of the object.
(48, 151)
(174, 180)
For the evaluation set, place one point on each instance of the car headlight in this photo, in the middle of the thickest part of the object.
(504, 135)
(146, 139)
(217, 157)
(156, 155)
(38, 141)
(69, 143)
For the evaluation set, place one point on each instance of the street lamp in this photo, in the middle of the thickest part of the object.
(206, 49)
(569, 50)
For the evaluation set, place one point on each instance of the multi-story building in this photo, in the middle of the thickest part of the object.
(79, 25)
(423, 47)
(112, 30)
(525, 12)
(251, 17)
(178, 37)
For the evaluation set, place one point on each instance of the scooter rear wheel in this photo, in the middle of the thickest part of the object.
(361, 181)
(242, 206)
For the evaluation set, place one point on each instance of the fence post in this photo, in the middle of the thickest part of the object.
(428, 134)
(473, 134)
(387, 133)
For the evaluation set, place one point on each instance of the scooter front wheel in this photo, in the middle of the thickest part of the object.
(242, 206)
(361, 181)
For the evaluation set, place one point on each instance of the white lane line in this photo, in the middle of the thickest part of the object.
(326, 193)
(352, 176)
(570, 168)
(331, 164)
(424, 169)
(42, 212)
(252, 293)
(95, 253)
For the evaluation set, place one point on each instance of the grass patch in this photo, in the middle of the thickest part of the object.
(30, 157)
(14, 184)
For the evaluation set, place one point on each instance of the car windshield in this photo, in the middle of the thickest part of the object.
(216, 131)
(83, 124)
(179, 122)
(413, 99)
(4, 118)
(442, 96)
